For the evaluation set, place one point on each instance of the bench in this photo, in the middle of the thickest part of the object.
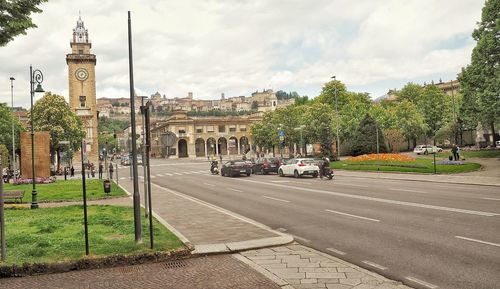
(16, 195)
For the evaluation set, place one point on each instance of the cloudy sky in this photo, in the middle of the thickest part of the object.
(239, 46)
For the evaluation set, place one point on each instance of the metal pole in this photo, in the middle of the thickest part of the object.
(84, 189)
(434, 155)
(337, 117)
(378, 150)
(34, 203)
(148, 149)
(116, 174)
(2, 218)
(454, 114)
(13, 137)
(136, 196)
(143, 112)
(106, 160)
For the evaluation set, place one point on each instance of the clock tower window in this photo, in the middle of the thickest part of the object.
(82, 100)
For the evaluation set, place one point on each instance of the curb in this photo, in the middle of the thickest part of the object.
(381, 176)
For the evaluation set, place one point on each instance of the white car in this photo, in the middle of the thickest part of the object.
(299, 167)
(427, 149)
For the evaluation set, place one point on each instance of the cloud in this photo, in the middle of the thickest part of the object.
(236, 47)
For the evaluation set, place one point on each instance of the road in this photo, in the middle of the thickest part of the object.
(427, 235)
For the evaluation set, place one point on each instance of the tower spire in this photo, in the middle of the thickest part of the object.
(80, 34)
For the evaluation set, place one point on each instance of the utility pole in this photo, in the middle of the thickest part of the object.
(13, 136)
(337, 117)
(2, 217)
(143, 112)
(148, 166)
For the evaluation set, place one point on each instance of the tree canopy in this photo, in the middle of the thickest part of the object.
(15, 18)
(6, 119)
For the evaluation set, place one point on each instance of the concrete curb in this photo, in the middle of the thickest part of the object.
(404, 177)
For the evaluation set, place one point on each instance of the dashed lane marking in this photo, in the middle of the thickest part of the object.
(208, 184)
(279, 200)
(336, 251)
(280, 181)
(179, 174)
(375, 265)
(478, 241)
(423, 283)
(354, 216)
(239, 191)
(411, 191)
(281, 229)
(169, 174)
(152, 176)
(492, 199)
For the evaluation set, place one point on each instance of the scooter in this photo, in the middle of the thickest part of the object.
(328, 173)
(214, 169)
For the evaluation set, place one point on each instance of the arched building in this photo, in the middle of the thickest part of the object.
(203, 136)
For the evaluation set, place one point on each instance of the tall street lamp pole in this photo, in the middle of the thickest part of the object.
(13, 137)
(337, 117)
(35, 76)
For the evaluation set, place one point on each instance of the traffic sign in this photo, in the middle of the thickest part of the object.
(281, 133)
(168, 139)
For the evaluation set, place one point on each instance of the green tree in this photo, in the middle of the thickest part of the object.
(480, 80)
(6, 119)
(15, 18)
(435, 107)
(411, 92)
(52, 113)
(365, 138)
(4, 156)
(410, 120)
(319, 121)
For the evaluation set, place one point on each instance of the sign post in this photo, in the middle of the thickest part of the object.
(85, 224)
(2, 216)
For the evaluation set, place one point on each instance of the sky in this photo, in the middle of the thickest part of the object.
(236, 47)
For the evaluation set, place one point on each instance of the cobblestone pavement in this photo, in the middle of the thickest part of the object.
(217, 272)
(300, 267)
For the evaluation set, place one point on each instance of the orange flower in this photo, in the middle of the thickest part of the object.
(383, 157)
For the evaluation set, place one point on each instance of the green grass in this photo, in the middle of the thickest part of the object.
(70, 190)
(422, 165)
(490, 153)
(57, 234)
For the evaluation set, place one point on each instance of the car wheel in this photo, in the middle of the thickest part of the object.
(426, 152)
(296, 174)
(280, 173)
(248, 174)
(315, 175)
(221, 173)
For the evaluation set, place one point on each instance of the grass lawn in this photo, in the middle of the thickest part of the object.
(421, 165)
(490, 153)
(57, 234)
(70, 190)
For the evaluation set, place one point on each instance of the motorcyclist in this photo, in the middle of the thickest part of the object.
(324, 166)
(214, 164)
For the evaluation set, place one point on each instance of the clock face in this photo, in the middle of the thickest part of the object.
(81, 74)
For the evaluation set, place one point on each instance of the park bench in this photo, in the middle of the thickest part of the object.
(16, 195)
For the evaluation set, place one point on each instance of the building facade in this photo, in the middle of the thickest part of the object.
(82, 90)
(203, 136)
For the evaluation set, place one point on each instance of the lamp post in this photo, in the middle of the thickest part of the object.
(13, 137)
(300, 128)
(337, 117)
(35, 76)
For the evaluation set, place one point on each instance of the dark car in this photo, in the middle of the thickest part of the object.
(266, 165)
(236, 168)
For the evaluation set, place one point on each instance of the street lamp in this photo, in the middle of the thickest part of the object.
(13, 137)
(35, 76)
(337, 117)
(300, 128)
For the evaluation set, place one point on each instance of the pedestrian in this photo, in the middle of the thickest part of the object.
(92, 170)
(454, 151)
(111, 170)
(72, 171)
(101, 167)
(458, 153)
(220, 157)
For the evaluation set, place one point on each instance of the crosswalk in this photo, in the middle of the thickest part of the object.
(162, 175)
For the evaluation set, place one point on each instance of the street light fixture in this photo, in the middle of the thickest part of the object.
(35, 76)
(337, 117)
(13, 137)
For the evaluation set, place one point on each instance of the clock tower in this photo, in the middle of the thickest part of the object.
(82, 92)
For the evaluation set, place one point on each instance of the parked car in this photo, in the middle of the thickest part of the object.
(236, 168)
(299, 167)
(125, 161)
(266, 165)
(427, 149)
(497, 143)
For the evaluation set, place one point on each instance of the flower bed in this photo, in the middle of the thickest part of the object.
(41, 180)
(382, 157)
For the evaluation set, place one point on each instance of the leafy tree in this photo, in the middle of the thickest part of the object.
(351, 113)
(4, 156)
(6, 119)
(411, 92)
(319, 121)
(302, 100)
(435, 107)
(15, 18)
(410, 120)
(365, 138)
(480, 80)
(52, 113)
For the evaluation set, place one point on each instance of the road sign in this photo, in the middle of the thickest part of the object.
(281, 133)
(168, 139)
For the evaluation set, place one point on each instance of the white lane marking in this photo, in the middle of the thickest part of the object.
(239, 191)
(281, 229)
(402, 203)
(303, 183)
(375, 265)
(211, 185)
(301, 239)
(411, 191)
(478, 241)
(280, 181)
(423, 283)
(359, 186)
(187, 173)
(336, 251)
(280, 200)
(141, 177)
(123, 178)
(159, 175)
(354, 216)
(169, 174)
(493, 199)
(202, 171)
(179, 174)
(152, 176)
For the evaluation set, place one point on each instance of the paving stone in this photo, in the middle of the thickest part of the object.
(346, 269)
(362, 286)
(291, 275)
(308, 281)
(325, 275)
(285, 270)
(302, 265)
(355, 274)
(309, 286)
(263, 257)
(317, 270)
(352, 282)
(277, 265)
(274, 261)
(329, 280)
(338, 286)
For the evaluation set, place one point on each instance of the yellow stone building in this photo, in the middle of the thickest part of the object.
(82, 90)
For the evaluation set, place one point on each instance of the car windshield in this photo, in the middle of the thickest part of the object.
(239, 163)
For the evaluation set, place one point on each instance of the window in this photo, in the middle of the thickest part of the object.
(82, 100)
(232, 129)
(222, 128)
(243, 128)
(80, 51)
(182, 131)
(210, 128)
(199, 129)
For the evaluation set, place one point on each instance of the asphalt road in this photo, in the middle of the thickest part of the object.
(427, 235)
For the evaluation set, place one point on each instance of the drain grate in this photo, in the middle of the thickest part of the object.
(175, 264)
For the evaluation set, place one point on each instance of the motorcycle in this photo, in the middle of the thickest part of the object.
(327, 172)
(214, 169)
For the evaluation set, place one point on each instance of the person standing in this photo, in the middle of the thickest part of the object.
(101, 167)
(458, 153)
(454, 151)
(111, 170)
(72, 171)
(92, 170)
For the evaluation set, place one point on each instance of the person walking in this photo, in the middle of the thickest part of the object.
(101, 167)
(111, 170)
(72, 171)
